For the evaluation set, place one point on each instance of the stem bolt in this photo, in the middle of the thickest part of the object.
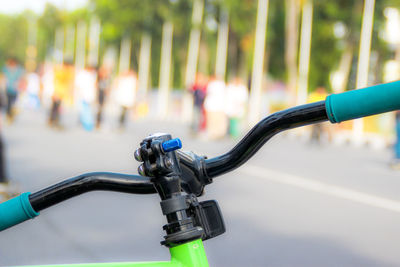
(171, 145)
(141, 170)
(137, 155)
(168, 162)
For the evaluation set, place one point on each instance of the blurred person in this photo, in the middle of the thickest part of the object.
(235, 105)
(103, 86)
(317, 129)
(276, 97)
(63, 87)
(86, 85)
(124, 94)
(3, 95)
(5, 187)
(396, 162)
(33, 89)
(199, 90)
(214, 105)
(13, 74)
(3, 178)
(8, 188)
(47, 81)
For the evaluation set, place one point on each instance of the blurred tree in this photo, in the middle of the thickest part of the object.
(13, 41)
(135, 17)
(51, 19)
(241, 36)
(276, 41)
(327, 47)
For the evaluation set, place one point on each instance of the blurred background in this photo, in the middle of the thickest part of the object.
(84, 81)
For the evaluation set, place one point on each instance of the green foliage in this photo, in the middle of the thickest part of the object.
(276, 40)
(51, 19)
(243, 15)
(325, 53)
(132, 18)
(13, 39)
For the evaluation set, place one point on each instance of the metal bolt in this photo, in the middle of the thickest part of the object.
(137, 155)
(168, 162)
(171, 145)
(141, 170)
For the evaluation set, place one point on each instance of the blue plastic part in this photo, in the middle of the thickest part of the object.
(15, 211)
(363, 102)
(172, 145)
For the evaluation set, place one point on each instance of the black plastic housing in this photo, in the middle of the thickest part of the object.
(207, 214)
(194, 178)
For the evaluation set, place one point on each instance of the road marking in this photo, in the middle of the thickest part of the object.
(323, 188)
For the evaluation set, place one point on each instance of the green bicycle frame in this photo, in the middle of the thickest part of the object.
(190, 254)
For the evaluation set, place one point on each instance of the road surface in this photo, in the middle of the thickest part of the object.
(291, 205)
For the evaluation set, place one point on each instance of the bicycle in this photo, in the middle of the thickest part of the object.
(180, 177)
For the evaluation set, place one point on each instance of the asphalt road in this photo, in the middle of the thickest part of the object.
(292, 205)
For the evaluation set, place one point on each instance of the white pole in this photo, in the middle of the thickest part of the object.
(222, 45)
(110, 57)
(340, 77)
(59, 46)
(31, 49)
(291, 47)
(70, 43)
(80, 45)
(94, 39)
(32, 31)
(125, 54)
(165, 70)
(144, 64)
(192, 58)
(258, 62)
(363, 62)
(80, 54)
(304, 53)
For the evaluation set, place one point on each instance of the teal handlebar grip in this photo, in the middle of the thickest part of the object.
(363, 102)
(15, 211)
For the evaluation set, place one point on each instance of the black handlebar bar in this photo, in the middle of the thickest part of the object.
(262, 132)
(106, 181)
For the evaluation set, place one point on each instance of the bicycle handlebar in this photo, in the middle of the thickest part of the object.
(363, 102)
(27, 206)
(337, 107)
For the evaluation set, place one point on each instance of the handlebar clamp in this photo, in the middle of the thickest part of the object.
(171, 172)
(160, 165)
(204, 220)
